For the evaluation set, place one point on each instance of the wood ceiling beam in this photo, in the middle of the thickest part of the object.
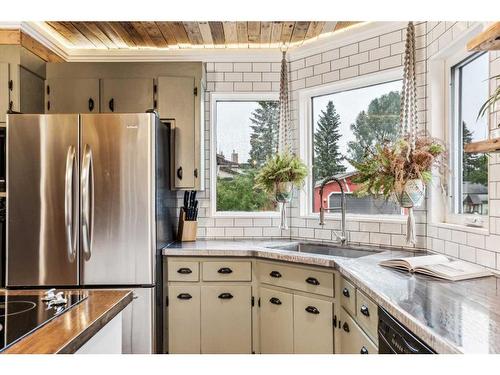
(167, 33)
(217, 29)
(193, 32)
(111, 33)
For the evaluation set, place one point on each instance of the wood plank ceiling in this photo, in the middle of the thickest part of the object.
(123, 35)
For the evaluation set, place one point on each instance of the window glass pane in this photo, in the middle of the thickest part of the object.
(471, 88)
(247, 133)
(345, 126)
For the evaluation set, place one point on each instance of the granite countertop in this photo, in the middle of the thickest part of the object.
(451, 317)
(72, 329)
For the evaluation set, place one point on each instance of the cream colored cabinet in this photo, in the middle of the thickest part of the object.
(177, 102)
(353, 340)
(226, 319)
(4, 91)
(72, 95)
(31, 87)
(276, 322)
(312, 325)
(184, 319)
(127, 95)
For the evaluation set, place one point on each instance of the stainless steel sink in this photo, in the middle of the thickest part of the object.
(323, 249)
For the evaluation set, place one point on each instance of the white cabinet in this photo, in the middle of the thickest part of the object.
(4, 91)
(312, 325)
(31, 90)
(276, 322)
(72, 95)
(127, 95)
(226, 319)
(178, 102)
(184, 319)
(352, 338)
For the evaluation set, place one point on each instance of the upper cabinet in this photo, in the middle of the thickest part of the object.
(4, 90)
(78, 95)
(177, 103)
(127, 95)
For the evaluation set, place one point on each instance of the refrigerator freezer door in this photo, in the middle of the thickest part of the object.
(117, 198)
(138, 323)
(43, 200)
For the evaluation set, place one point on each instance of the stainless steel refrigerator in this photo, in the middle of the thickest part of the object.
(89, 205)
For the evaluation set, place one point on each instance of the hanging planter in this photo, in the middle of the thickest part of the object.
(412, 195)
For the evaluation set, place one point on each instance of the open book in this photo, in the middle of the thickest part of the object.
(438, 266)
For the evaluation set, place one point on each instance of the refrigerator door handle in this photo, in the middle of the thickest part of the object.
(69, 210)
(87, 187)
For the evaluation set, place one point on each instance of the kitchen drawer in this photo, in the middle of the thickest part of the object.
(367, 314)
(352, 338)
(303, 279)
(183, 270)
(227, 271)
(348, 296)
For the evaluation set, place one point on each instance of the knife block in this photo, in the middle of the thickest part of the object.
(186, 231)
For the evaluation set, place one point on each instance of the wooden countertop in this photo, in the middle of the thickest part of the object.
(69, 331)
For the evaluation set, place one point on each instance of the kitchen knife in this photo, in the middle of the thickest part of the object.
(186, 200)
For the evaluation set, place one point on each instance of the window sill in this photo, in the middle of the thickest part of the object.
(463, 228)
(247, 215)
(399, 219)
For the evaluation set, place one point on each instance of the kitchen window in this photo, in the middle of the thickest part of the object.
(469, 176)
(245, 129)
(344, 122)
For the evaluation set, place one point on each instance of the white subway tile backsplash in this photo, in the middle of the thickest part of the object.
(313, 60)
(348, 50)
(369, 67)
(261, 67)
(379, 53)
(486, 258)
(321, 68)
(242, 67)
(369, 44)
(252, 77)
(330, 55)
(348, 72)
(393, 37)
(369, 227)
(223, 67)
(305, 72)
(253, 232)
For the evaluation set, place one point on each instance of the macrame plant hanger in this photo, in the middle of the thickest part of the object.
(409, 126)
(283, 145)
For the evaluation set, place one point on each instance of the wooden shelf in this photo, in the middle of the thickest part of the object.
(489, 145)
(488, 40)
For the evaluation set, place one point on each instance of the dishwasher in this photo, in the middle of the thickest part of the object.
(394, 338)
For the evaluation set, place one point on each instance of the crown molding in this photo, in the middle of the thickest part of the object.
(311, 47)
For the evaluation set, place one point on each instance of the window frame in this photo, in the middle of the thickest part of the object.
(453, 132)
(306, 148)
(236, 97)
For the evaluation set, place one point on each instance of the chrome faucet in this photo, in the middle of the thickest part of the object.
(342, 237)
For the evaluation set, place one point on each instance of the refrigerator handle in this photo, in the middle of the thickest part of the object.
(87, 188)
(69, 203)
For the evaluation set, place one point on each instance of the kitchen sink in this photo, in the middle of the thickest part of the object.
(322, 249)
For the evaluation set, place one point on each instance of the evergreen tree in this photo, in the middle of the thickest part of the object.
(475, 166)
(327, 156)
(379, 123)
(264, 137)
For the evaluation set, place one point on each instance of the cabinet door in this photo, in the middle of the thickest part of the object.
(4, 91)
(127, 95)
(313, 325)
(176, 101)
(79, 95)
(184, 319)
(276, 322)
(352, 338)
(226, 319)
(32, 88)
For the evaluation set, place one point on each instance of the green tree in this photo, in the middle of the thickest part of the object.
(238, 194)
(327, 156)
(475, 166)
(264, 136)
(379, 123)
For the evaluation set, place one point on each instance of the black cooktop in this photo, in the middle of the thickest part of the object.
(22, 314)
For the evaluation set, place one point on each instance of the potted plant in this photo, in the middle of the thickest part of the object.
(278, 176)
(490, 102)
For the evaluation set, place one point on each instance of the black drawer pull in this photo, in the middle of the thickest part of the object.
(112, 105)
(345, 327)
(184, 271)
(363, 350)
(364, 310)
(312, 310)
(312, 281)
(91, 104)
(345, 292)
(275, 301)
(179, 173)
(184, 296)
(275, 274)
(225, 296)
(225, 270)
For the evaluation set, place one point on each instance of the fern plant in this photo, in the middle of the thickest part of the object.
(490, 102)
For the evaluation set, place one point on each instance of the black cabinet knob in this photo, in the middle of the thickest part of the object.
(112, 105)
(225, 296)
(363, 350)
(345, 327)
(225, 270)
(184, 296)
(312, 281)
(364, 310)
(275, 274)
(184, 271)
(179, 173)
(312, 310)
(345, 292)
(275, 301)
(91, 104)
